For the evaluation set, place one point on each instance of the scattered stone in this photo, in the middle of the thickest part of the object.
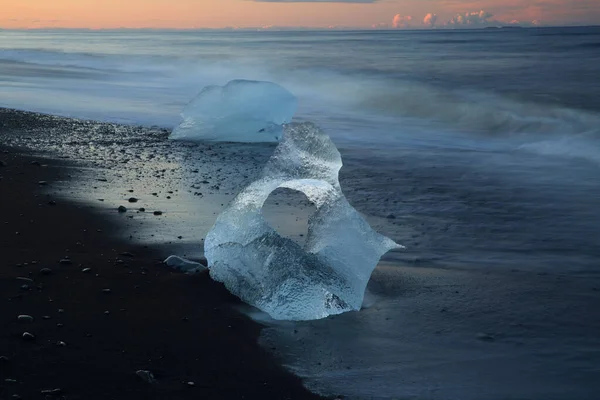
(45, 271)
(35, 163)
(146, 376)
(10, 380)
(25, 318)
(4, 359)
(391, 216)
(102, 180)
(127, 254)
(42, 183)
(133, 200)
(86, 270)
(61, 344)
(51, 203)
(106, 290)
(2, 163)
(485, 337)
(157, 212)
(142, 209)
(28, 336)
(65, 261)
(122, 209)
(28, 280)
(191, 384)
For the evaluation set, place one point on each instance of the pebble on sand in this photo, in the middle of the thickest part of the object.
(146, 376)
(133, 200)
(28, 336)
(122, 209)
(25, 318)
(51, 392)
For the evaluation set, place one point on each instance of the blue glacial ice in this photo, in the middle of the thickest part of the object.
(330, 273)
(240, 111)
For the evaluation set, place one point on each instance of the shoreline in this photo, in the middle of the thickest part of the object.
(111, 308)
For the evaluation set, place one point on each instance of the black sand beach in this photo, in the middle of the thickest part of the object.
(103, 309)
(428, 330)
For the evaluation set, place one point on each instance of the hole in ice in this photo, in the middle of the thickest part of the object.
(288, 211)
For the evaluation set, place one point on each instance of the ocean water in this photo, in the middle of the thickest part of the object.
(484, 145)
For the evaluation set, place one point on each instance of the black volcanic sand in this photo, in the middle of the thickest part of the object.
(111, 308)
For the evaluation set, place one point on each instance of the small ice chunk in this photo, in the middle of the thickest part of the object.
(187, 266)
(330, 273)
(241, 111)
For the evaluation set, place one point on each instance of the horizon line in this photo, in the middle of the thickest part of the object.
(302, 28)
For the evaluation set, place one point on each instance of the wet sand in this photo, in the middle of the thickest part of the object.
(104, 308)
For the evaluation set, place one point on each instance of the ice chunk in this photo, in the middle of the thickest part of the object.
(241, 111)
(330, 273)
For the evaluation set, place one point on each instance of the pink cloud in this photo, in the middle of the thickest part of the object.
(400, 21)
(430, 19)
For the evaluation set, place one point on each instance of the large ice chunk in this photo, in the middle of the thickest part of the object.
(241, 111)
(330, 273)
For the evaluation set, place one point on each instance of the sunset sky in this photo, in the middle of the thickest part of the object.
(187, 14)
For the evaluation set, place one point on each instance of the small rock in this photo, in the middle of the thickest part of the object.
(133, 200)
(147, 376)
(35, 163)
(28, 336)
(142, 209)
(65, 261)
(2, 163)
(42, 183)
(157, 212)
(16, 397)
(45, 271)
(107, 290)
(10, 380)
(25, 318)
(61, 344)
(122, 209)
(4, 359)
(391, 216)
(86, 270)
(51, 203)
(51, 392)
(191, 384)
(127, 254)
